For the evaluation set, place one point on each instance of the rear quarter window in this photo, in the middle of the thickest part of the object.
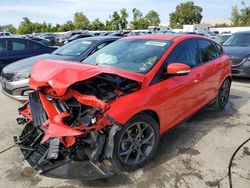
(207, 49)
(34, 46)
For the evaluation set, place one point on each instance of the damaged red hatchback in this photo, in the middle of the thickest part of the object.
(115, 106)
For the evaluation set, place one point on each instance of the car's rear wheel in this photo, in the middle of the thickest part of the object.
(223, 95)
(136, 143)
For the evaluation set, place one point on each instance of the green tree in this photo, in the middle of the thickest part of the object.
(115, 20)
(139, 22)
(153, 18)
(68, 26)
(242, 17)
(25, 27)
(185, 13)
(118, 20)
(137, 14)
(123, 18)
(235, 16)
(81, 21)
(97, 25)
(108, 25)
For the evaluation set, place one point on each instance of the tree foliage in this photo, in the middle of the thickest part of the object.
(139, 22)
(81, 21)
(153, 18)
(240, 17)
(118, 20)
(185, 13)
(97, 25)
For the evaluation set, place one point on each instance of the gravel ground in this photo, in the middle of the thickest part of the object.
(193, 154)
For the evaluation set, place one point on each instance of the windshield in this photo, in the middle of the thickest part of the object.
(130, 54)
(74, 48)
(240, 39)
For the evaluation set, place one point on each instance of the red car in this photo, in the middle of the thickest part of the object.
(115, 106)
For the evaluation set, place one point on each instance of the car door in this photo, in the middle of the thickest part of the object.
(3, 54)
(18, 49)
(212, 66)
(180, 95)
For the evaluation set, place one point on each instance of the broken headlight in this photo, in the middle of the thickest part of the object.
(21, 76)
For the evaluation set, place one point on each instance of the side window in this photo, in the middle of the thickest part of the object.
(3, 46)
(100, 46)
(185, 53)
(219, 49)
(34, 46)
(19, 45)
(208, 50)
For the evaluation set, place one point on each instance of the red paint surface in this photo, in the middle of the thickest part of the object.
(173, 99)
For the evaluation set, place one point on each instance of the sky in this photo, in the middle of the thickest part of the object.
(59, 11)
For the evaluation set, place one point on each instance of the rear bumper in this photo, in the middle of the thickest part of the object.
(17, 90)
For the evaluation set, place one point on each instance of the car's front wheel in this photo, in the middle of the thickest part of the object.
(136, 143)
(223, 95)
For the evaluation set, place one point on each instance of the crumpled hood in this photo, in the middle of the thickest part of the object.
(61, 74)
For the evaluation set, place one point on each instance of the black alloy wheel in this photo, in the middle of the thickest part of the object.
(136, 142)
(223, 95)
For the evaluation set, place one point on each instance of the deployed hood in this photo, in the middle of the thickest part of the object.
(237, 51)
(25, 65)
(61, 74)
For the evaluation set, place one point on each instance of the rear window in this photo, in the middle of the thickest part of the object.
(34, 46)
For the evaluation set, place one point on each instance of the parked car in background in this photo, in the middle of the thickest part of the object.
(13, 49)
(118, 103)
(49, 36)
(5, 34)
(221, 38)
(15, 77)
(105, 33)
(41, 40)
(117, 34)
(74, 37)
(237, 47)
(62, 38)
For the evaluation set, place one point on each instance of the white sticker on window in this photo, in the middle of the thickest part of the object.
(155, 43)
(86, 42)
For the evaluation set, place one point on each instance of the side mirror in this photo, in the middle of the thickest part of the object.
(178, 69)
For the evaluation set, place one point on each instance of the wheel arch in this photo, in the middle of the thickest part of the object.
(150, 113)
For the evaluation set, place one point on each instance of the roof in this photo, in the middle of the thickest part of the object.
(98, 38)
(166, 37)
(242, 32)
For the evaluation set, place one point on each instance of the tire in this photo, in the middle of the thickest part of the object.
(223, 95)
(138, 137)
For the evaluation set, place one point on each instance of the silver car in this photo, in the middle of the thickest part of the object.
(15, 77)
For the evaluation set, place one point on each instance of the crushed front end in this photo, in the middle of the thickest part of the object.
(70, 136)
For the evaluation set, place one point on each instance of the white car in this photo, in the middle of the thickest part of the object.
(5, 34)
